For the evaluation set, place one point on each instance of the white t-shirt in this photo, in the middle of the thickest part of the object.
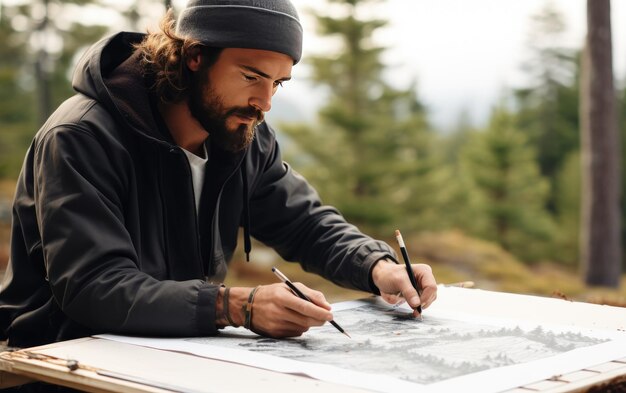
(198, 167)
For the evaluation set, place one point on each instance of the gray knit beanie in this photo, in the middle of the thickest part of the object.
(254, 24)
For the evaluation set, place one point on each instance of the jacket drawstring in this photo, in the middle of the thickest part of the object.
(247, 244)
(163, 208)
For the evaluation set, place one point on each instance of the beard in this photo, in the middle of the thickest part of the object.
(209, 109)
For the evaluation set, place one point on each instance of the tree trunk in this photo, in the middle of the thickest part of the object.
(601, 251)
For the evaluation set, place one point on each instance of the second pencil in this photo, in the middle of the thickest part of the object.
(301, 295)
(409, 269)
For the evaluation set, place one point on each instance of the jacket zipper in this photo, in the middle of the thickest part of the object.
(195, 215)
(216, 211)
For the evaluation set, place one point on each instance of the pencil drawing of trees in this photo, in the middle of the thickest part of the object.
(385, 342)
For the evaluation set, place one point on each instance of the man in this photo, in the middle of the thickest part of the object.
(131, 195)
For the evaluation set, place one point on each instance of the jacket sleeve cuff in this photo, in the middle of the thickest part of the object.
(368, 265)
(205, 309)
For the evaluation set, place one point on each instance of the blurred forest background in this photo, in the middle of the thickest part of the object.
(511, 205)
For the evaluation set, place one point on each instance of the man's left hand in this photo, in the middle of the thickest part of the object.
(393, 282)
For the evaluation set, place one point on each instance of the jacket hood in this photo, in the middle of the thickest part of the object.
(109, 72)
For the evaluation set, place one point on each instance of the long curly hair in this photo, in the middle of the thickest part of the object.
(163, 56)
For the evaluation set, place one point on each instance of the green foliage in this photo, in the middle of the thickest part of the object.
(506, 192)
(454, 196)
(568, 185)
(371, 152)
(548, 108)
(16, 102)
(38, 49)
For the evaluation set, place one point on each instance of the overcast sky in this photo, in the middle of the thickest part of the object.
(462, 52)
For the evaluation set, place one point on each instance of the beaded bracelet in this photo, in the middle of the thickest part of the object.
(225, 308)
(247, 309)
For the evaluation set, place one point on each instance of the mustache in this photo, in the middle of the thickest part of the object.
(248, 111)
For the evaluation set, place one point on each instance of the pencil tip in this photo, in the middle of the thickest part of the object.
(347, 335)
(397, 232)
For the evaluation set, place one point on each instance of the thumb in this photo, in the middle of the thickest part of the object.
(411, 295)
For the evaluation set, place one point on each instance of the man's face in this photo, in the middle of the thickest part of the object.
(231, 97)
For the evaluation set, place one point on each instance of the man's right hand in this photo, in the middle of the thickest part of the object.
(278, 312)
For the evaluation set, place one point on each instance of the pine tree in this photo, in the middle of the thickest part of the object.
(453, 196)
(567, 197)
(17, 114)
(369, 154)
(548, 109)
(40, 43)
(505, 189)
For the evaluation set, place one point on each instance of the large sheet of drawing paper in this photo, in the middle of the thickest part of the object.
(389, 351)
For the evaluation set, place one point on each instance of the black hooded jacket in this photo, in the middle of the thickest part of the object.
(105, 233)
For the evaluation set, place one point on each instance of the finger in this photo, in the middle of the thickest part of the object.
(305, 308)
(316, 297)
(409, 293)
(282, 329)
(296, 318)
(294, 331)
(304, 311)
(272, 318)
(428, 296)
(427, 282)
(424, 275)
(392, 298)
(302, 321)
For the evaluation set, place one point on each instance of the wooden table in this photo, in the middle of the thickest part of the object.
(109, 366)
